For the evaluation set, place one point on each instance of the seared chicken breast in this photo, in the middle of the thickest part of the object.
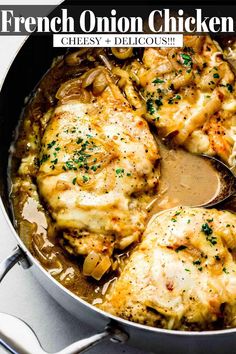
(98, 169)
(190, 96)
(183, 273)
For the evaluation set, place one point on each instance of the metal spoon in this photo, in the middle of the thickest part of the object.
(227, 182)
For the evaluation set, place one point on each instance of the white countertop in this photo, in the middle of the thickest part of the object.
(20, 293)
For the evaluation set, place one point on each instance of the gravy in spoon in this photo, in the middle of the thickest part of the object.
(186, 179)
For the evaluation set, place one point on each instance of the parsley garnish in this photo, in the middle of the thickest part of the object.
(79, 141)
(44, 159)
(229, 87)
(171, 100)
(94, 168)
(158, 102)
(158, 81)
(85, 178)
(210, 220)
(50, 145)
(225, 271)
(206, 229)
(54, 161)
(120, 172)
(198, 262)
(187, 59)
(150, 107)
(208, 232)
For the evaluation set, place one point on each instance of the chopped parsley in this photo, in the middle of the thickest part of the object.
(150, 106)
(177, 213)
(44, 159)
(187, 60)
(158, 81)
(207, 229)
(208, 232)
(173, 99)
(94, 168)
(74, 180)
(85, 178)
(54, 161)
(70, 165)
(216, 76)
(80, 158)
(120, 172)
(225, 271)
(50, 145)
(197, 262)
(229, 87)
(79, 141)
(158, 102)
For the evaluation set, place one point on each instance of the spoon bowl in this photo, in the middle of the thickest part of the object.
(227, 182)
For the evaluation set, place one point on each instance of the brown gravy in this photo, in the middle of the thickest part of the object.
(186, 179)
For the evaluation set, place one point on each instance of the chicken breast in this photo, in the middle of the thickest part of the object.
(183, 273)
(98, 170)
(190, 96)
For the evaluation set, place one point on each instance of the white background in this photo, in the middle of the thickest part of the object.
(20, 294)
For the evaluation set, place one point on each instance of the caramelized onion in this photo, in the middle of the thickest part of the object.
(101, 268)
(90, 263)
(105, 61)
(99, 84)
(73, 59)
(90, 76)
(122, 53)
(71, 90)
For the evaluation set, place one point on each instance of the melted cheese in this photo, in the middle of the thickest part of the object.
(191, 90)
(183, 273)
(98, 172)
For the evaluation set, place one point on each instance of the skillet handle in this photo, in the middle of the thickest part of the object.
(17, 337)
(17, 256)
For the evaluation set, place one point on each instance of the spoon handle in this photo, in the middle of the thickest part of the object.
(230, 203)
